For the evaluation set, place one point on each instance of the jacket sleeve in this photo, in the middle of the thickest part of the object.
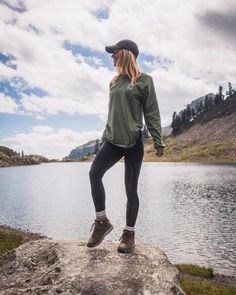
(152, 115)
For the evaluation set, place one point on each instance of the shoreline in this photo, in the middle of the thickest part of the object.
(232, 163)
(28, 236)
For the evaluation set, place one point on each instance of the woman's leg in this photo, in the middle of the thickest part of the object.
(133, 161)
(105, 158)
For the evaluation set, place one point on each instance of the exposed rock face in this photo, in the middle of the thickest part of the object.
(10, 158)
(49, 266)
(40, 159)
(195, 103)
(82, 150)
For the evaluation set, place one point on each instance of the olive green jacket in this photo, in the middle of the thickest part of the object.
(127, 105)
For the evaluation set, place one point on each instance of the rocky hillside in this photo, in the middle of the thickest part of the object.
(10, 158)
(81, 152)
(195, 103)
(211, 137)
(212, 141)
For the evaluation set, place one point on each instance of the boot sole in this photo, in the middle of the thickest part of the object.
(99, 242)
(125, 251)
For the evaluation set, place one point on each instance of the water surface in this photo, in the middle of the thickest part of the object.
(186, 209)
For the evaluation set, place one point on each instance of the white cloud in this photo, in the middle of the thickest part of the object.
(93, 60)
(78, 84)
(39, 117)
(44, 140)
(6, 72)
(50, 105)
(7, 104)
(43, 129)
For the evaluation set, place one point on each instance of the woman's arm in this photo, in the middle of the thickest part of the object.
(152, 116)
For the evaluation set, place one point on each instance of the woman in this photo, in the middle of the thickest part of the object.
(132, 95)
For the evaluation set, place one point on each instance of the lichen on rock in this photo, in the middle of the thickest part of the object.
(48, 266)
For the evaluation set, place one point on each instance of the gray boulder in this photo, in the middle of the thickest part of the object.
(49, 266)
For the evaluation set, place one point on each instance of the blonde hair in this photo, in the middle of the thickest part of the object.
(126, 65)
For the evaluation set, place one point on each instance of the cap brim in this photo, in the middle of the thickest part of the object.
(111, 49)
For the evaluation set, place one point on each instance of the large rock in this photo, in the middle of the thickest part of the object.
(49, 266)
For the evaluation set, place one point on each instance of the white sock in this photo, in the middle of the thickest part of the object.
(131, 228)
(101, 214)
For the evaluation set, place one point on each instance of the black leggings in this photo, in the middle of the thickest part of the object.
(106, 157)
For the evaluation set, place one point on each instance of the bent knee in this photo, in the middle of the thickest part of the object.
(95, 173)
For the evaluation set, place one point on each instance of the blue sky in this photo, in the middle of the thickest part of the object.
(54, 71)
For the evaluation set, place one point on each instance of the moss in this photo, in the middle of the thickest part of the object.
(9, 241)
(195, 270)
(198, 280)
(198, 287)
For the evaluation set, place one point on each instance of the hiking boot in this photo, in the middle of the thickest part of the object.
(126, 241)
(102, 227)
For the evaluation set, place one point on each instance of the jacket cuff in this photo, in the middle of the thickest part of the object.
(160, 150)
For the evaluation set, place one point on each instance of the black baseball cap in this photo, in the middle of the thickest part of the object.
(124, 44)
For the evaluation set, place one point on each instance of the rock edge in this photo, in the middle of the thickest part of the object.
(70, 267)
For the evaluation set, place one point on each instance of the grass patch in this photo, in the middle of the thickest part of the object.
(198, 287)
(214, 145)
(192, 150)
(198, 280)
(9, 241)
(195, 270)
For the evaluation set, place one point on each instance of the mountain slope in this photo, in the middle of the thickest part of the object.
(211, 141)
(82, 151)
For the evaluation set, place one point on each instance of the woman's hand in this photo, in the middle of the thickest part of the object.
(160, 151)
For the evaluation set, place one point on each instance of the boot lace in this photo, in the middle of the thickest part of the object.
(126, 237)
(97, 228)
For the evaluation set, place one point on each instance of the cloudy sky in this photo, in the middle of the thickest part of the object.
(54, 71)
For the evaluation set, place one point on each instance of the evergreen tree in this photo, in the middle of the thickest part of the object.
(193, 113)
(188, 113)
(173, 124)
(176, 124)
(206, 103)
(230, 92)
(211, 102)
(200, 107)
(184, 117)
(219, 96)
(221, 93)
(173, 121)
(217, 99)
(22, 154)
(197, 109)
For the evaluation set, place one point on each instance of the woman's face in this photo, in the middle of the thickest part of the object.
(115, 57)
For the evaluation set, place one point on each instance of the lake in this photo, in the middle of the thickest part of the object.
(186, 209)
